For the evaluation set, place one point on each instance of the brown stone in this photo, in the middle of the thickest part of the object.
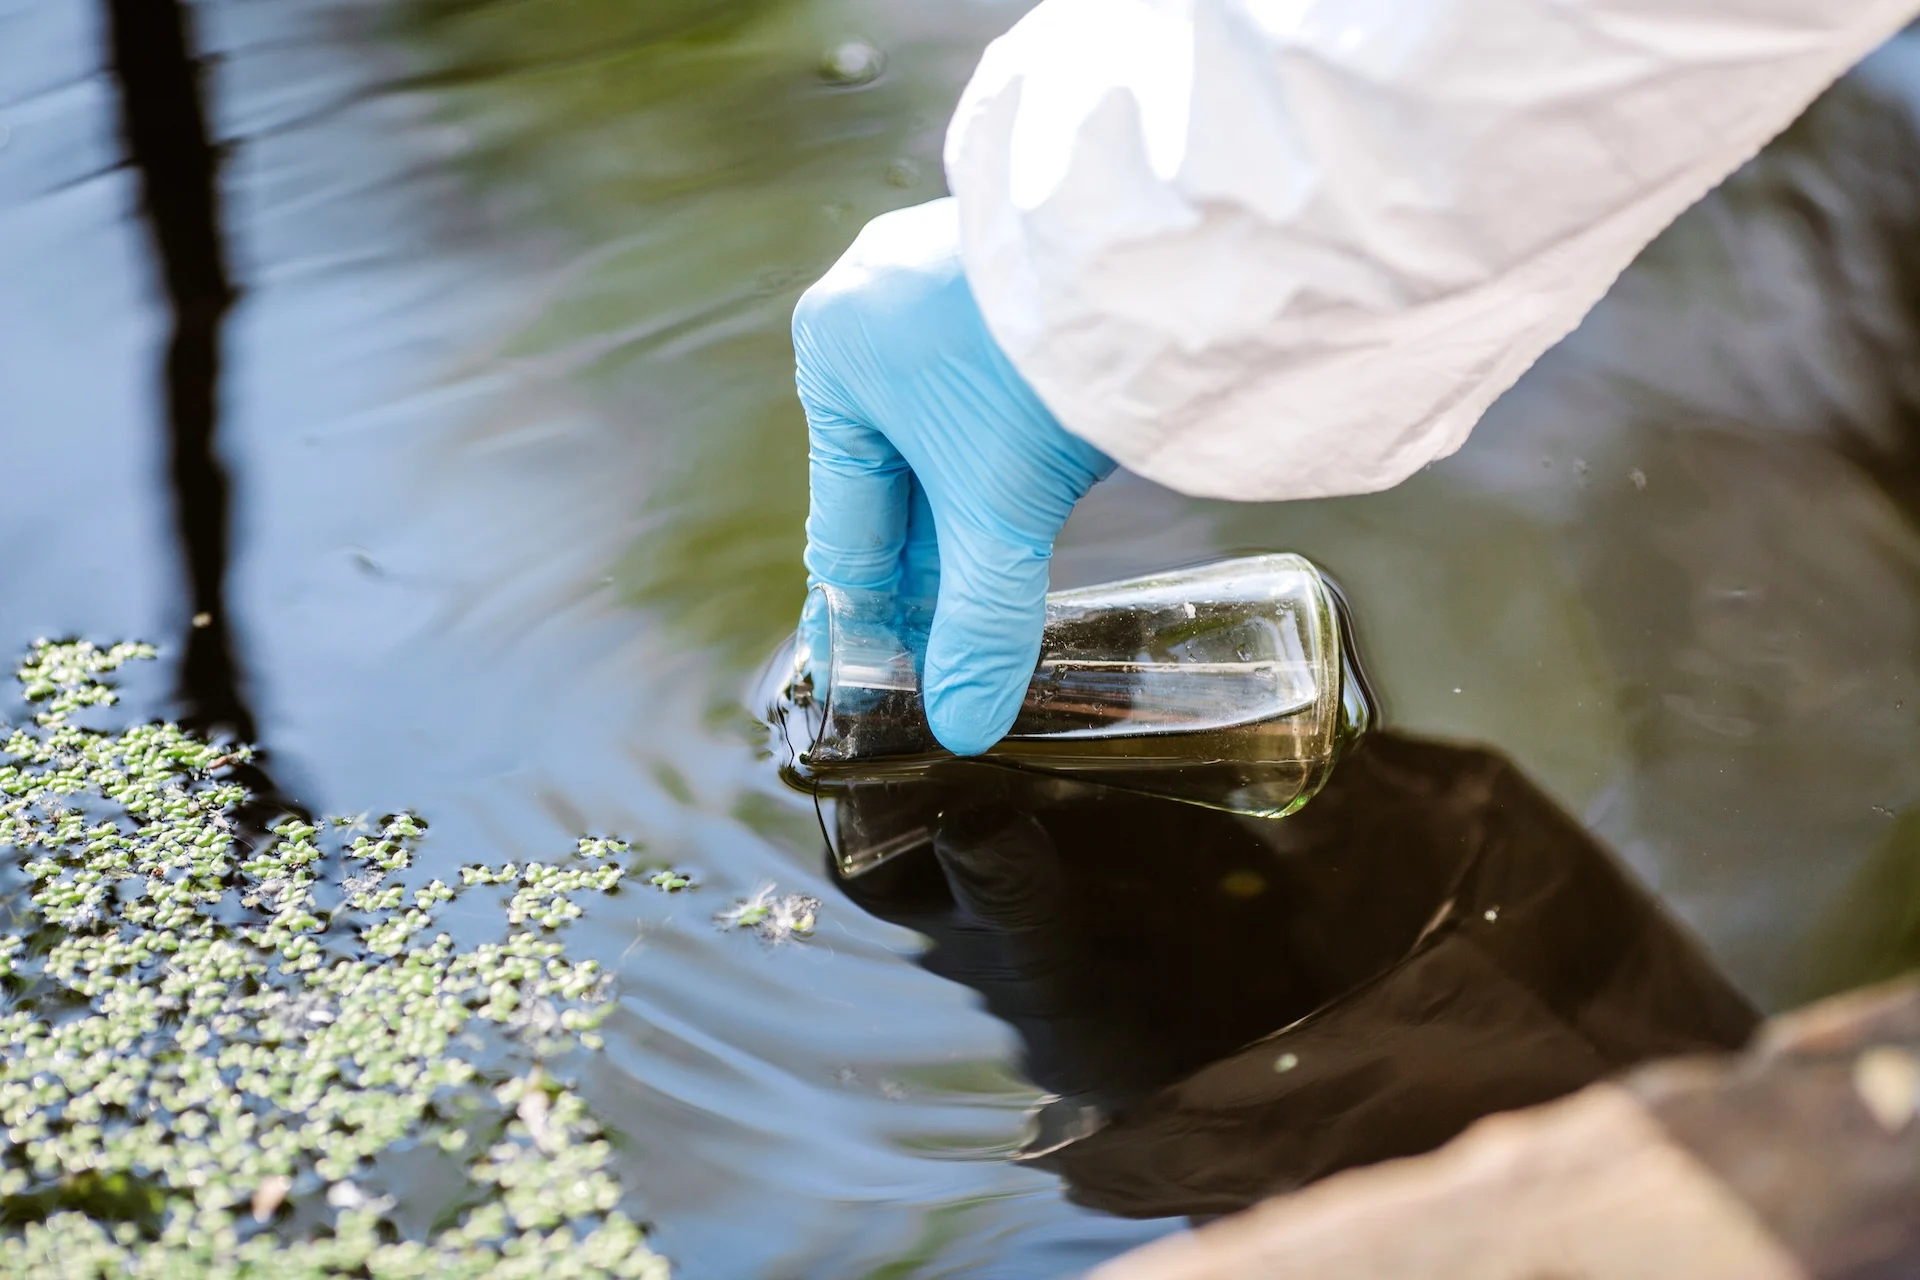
(1587, 1188)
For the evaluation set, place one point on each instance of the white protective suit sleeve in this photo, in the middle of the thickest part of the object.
(1269, 249)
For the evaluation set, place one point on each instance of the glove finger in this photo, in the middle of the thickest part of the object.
(857, 504)
(920, 560)
(985, 640)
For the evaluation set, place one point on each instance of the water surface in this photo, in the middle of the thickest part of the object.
(516, 487)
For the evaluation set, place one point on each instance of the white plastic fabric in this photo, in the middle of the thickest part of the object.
(1268, 249)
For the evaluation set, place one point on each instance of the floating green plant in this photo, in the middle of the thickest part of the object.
(215, 1046)
(774, 916)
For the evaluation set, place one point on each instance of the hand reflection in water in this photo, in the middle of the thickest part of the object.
(1229, 1007)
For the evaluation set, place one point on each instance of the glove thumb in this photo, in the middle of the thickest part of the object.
(985, 640)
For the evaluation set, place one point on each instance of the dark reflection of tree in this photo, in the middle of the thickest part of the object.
(165, 129)
(164, 125)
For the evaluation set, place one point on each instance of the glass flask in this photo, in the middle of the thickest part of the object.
(1230, 685)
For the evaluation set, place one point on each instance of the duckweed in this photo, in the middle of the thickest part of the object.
(774, 916)
(213, 1037)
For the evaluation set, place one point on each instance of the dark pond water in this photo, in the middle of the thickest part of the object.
(516, 479)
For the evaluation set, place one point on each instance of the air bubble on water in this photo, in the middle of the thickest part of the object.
(345, 1195)
(852, 62)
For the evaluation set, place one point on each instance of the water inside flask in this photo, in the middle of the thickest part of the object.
(1231, 685)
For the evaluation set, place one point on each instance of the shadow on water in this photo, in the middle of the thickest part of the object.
(480, 308)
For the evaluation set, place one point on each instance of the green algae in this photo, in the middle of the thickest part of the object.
(213, 1039)
(775, 916)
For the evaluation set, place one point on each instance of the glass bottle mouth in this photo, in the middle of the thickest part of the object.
(846, 684)
(855, 679)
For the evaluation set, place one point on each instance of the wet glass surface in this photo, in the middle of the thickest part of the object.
(504, 399)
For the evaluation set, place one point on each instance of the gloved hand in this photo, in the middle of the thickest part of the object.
(935, 469)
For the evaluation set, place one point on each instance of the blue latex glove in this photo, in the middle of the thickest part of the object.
(935, 469)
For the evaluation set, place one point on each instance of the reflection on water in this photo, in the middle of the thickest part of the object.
(1227, 1007)
(517, 485)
